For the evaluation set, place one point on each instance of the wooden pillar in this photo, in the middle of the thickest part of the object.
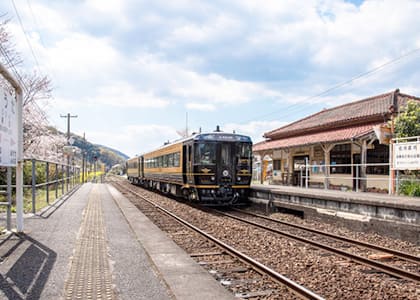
(262, 154)
(363, 161)
(290, 167)
(327, 149)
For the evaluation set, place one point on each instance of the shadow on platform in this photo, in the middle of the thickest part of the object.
(25, 266)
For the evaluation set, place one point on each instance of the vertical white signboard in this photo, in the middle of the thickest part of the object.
(8, 129)
(407, 156)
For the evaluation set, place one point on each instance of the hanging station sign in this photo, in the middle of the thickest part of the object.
(406, 156)
(8, 129)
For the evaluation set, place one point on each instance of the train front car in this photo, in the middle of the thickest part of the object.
(222, 168)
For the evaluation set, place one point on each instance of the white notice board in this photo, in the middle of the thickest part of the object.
(407, 156)
(8, 129)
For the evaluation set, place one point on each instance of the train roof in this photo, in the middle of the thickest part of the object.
(211, 136)
(217, 136)
(221, 136)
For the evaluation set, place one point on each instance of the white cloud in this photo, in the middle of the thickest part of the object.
(213, 29)
(216, 57)
(137, 139)
(254, 129)
(80, 57)
(122, 94)
(183, 83)
(200, 106)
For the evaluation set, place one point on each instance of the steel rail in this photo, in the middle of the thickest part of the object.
(400, 254)
(296, 288)
(396, 272)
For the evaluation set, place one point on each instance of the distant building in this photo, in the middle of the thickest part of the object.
(337, 137)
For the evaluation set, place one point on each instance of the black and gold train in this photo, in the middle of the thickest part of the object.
(209, 168)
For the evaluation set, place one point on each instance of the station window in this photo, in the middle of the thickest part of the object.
(340, 158)
(277, 164)
(378, 155)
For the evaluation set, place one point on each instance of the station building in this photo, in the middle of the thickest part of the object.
(339, 144)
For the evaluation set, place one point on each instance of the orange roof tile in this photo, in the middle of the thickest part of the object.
(373, 109)
(334, 135)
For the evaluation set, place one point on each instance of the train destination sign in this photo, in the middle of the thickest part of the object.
(407, 156)
(223, 137)
(8, 129)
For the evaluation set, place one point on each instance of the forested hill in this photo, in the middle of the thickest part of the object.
(103, 154)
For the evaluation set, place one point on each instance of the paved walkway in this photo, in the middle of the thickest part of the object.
(97, 245)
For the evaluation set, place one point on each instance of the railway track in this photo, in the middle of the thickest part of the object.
(326, 273)
(250, 278)
(412, 262)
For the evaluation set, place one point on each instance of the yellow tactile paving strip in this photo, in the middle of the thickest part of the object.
(90, 275)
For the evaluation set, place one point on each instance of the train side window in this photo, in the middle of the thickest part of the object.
(176, 159)
(170, 160)
(165, 161)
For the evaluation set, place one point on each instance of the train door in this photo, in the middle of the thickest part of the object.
(141, 167)
(189, 164)
(226, 172)
(184, 163)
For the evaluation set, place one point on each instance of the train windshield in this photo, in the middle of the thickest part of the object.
(205, 154)
(244, 151)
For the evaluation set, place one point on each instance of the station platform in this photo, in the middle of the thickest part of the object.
(394, 216)
(96, 245)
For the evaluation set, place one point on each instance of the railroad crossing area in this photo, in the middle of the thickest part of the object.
(95, 244)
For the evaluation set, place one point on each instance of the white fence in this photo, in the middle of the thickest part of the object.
(376, 179)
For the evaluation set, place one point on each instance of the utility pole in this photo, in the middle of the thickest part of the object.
(83, 160)
(68, 116)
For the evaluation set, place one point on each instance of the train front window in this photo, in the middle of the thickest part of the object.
(205, 153)
(244, 150)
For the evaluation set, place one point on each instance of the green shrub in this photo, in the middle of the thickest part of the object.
(410, 188)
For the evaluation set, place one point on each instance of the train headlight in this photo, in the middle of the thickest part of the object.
(212, 178)
(225, 173)
(239, 178)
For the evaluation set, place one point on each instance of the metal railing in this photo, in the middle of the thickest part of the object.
(46, 177)
(357, 177)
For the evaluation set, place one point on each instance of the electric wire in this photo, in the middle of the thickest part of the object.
(337, 86)
(26, 36)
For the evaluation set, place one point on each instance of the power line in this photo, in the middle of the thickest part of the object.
(47, 66)
(26, 36)
(339, 85)
(12, 66)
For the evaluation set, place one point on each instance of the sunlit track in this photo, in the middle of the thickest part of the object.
(396, 253)
(242, 258)
(394, 271)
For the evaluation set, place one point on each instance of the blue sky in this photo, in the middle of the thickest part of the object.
(132, 70)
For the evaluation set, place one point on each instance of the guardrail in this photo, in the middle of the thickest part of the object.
(48, 180)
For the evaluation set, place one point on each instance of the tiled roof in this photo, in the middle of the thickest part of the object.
(334, 135)
(359, 112)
